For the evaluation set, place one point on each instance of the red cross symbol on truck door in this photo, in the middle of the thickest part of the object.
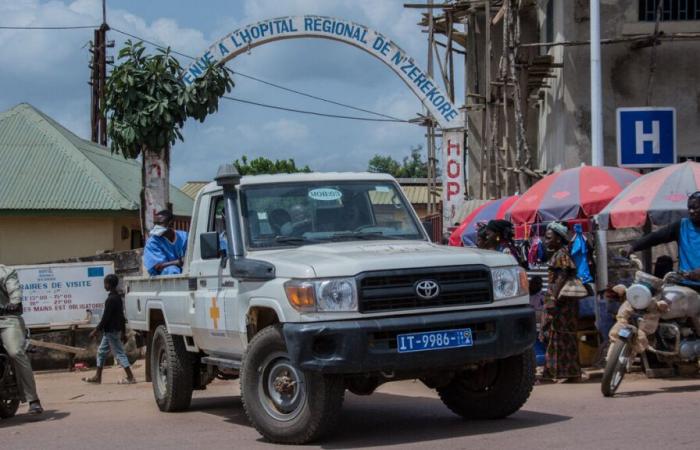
(214, 313)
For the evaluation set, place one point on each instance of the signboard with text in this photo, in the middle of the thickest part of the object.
(244, 39)
(61, 295)
(453, 185)
(646, 137)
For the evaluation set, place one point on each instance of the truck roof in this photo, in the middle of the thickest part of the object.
(249, 180)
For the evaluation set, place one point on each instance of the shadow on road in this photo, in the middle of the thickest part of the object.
(663, 390)
(386, 419)
(23, 418)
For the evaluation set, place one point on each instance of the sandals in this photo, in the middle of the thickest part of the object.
(92, 380)
(127, 381)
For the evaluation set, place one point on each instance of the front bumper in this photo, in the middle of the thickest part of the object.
(369, 345)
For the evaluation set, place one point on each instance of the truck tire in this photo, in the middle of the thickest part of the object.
(615, 367)
(496, 390)
(285, 404)
(171, 371)
(8, 408)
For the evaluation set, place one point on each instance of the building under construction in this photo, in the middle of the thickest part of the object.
(522, 70)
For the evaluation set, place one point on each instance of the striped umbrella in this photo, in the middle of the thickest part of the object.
(661, 196)
(570, 194)
(465, 234)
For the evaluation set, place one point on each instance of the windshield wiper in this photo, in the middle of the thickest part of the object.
(363, 235)
(294, 240)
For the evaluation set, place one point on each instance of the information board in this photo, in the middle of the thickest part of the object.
(62, 295)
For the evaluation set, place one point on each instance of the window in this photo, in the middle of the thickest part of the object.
(671, 10)
(688, 158)
(303, 213)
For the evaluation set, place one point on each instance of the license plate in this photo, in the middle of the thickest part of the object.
(434, 340)
(625, 333)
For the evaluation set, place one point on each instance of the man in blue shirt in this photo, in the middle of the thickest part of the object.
(686, 232)
(165, 247)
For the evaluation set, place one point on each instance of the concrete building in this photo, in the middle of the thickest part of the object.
(633, 74)
(62, 196)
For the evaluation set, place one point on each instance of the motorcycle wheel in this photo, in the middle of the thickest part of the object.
(8, 407)
(615, 367)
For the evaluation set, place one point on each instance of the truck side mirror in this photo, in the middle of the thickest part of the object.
(209, 245)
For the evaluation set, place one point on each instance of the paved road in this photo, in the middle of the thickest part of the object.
(647, 414)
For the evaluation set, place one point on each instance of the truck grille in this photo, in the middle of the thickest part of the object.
(396, 289)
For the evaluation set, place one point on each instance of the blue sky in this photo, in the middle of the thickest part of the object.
(49, 70)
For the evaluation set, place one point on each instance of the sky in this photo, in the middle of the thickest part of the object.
(49, 69)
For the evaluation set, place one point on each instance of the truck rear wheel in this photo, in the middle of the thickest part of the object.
(171, 371)
(284, 403)
(494, 391)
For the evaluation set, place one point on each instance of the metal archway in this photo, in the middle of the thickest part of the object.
(360, 36)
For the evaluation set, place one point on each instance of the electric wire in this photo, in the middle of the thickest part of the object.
(314, 113)
(76, 27)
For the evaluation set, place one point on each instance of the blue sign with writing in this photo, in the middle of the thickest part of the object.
(646, 137)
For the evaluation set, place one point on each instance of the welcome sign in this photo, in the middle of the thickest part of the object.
(373, 42)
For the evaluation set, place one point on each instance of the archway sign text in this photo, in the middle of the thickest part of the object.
(424, 87)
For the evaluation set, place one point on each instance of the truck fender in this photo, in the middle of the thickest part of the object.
(156, 305)
(262, 302)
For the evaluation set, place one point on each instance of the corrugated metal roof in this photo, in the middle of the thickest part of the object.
(192, 188)
(45, 166)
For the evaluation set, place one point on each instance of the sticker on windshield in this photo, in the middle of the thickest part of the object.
(325, 194)
(382, 188)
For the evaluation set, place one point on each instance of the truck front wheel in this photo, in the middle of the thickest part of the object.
(284, 403)
(494, 390)
(171, 371)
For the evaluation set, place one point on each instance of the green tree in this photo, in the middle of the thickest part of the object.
(384, 164)
(263, 165)
(413, 166)
(147, 104)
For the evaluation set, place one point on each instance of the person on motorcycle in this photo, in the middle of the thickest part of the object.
(686, 233)
(12, 335)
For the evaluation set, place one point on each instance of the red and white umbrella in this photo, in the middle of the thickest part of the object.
(660, 196)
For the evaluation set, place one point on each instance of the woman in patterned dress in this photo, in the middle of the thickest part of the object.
(561, 358)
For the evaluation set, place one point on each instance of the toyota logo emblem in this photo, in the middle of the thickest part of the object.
(427, 289)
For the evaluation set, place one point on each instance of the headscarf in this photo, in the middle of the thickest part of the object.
(560, 229)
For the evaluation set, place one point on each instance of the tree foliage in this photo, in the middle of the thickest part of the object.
(147, 102)
(261, 165)
(413, 166)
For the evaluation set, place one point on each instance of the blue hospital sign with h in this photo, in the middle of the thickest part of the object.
(646, 137)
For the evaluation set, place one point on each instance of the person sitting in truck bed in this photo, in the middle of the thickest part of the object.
(165, 248)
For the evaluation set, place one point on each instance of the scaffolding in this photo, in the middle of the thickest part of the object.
(497, 90)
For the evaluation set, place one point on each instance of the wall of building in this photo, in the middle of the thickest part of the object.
(564, 123)
(35, 239)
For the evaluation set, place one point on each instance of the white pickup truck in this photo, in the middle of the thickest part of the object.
(306, 285)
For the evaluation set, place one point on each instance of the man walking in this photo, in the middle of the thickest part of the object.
(13, 335)
(113, 328)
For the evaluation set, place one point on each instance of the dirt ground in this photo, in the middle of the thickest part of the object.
(646, 414)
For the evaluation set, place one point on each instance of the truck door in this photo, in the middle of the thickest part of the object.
(216, 294)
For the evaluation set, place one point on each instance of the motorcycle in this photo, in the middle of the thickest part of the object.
(10, 393)
(660, 321)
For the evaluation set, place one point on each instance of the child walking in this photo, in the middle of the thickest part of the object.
(113, 328)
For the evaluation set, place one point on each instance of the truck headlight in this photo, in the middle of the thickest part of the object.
(332, 294)
(509, 282)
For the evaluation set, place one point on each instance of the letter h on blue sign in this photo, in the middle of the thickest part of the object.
(646, 137)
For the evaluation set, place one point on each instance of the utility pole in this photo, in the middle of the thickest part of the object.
(98, 79)
(597, 158)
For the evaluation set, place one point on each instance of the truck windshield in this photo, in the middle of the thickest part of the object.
(304, 213)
